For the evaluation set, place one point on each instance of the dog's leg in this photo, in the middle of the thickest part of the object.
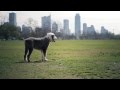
(42, 56)
(46, 56)
(30, 51)
(26, 51)
(44, 52)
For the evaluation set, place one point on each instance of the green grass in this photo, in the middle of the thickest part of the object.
(68, 59)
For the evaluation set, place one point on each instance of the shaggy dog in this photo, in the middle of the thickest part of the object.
(39, 44)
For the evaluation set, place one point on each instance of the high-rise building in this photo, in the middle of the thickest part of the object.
(103, 30)
(54, 27)
(12, 19)
(77, 26)
(91, 30)
(66, 27)
(84, 28)
(46, 23)
(26, 30)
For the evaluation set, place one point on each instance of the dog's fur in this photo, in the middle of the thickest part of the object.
(39, 44)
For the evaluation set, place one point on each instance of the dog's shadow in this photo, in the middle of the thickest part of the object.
(30, 62)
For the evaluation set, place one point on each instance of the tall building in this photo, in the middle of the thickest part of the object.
(77, 26)
(12, 19)
(84, 28)
(103, 30)
(46, 23)
(26, 31)
(66, 27)
(91, 30)
(54, 27)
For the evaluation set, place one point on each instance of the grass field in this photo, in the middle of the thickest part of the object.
(68, 59)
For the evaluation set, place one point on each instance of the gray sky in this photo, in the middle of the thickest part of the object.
(109, 19)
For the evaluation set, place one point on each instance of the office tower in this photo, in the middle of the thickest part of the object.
(66, 27)
(77, 26)
(12, 19)
(46, 23)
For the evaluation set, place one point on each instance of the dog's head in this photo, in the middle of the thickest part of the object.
(51, 36)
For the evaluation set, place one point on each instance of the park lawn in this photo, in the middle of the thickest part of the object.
(68, 59)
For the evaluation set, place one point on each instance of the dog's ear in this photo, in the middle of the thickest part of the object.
(52, 36)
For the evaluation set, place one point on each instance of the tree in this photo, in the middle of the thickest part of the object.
(32, 23)
(8, 31)
(2, 18)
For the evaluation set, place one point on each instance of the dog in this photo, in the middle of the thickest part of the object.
(39, 44)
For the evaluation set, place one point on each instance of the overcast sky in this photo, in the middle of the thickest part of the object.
(109, 19)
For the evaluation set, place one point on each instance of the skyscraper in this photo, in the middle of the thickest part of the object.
(77, 26)
(54, 27)
(103, 30)
(84, 28)
(12, 19)
(91, 30)
(46, 23)
(66, 27)
(26, 30)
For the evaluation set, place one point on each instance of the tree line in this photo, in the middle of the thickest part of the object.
(8, 31)
(11, 32)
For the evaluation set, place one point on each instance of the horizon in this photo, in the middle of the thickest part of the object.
(109, 19)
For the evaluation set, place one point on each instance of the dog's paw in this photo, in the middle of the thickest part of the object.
(46, 59)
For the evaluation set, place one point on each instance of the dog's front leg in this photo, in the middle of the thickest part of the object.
(45, 54)
(42, 55)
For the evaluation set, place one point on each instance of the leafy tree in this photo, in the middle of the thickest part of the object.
(8, 31)
(32, 23)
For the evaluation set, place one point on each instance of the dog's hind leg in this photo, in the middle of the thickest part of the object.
(30, 52)
(26, 51)
(42, 55)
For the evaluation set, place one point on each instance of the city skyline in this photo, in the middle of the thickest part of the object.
(109, 19)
